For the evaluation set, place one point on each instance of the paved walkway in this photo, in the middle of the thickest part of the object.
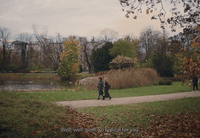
(128, 100)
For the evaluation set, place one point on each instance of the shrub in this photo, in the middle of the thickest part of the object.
(128, 78)
(165, 82)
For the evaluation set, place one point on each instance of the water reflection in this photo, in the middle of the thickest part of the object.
(34, 85)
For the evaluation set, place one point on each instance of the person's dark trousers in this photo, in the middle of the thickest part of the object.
(195, 86)
(100, 94)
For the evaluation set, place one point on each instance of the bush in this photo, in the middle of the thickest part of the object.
(165, 82)
(128, 78)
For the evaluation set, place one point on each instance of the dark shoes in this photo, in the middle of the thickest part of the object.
(104, 98)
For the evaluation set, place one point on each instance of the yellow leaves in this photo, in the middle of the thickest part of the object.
(185, 50)
(149, 11)
(184, 59)
(70, 58)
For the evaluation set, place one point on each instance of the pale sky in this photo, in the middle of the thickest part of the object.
(71, 17)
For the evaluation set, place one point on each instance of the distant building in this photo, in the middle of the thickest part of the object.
(57, 46)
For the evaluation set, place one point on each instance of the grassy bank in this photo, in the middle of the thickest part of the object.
(70, 95)
(28, 76)
(29, 117)
(33, 76)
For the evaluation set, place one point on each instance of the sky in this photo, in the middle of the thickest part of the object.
(84, 18)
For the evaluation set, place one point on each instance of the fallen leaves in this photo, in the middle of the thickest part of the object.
(178, 125)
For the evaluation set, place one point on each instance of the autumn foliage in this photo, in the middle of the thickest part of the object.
(70, 58)
(185, 125)
(191, 62)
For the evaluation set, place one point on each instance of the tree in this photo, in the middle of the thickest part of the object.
(186, 46)
(101, 57)
(4, 36)
(191, 62)
(87, 49)
(150, 41)
(70, 58)
(187, 18)
(24, 37)
(125, 47)
(163, 64)
(50, 51)
(108, 35)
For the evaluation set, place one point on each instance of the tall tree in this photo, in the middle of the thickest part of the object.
(108, 35)
(70, 58)
(186, 18)
(150, 41)
(101, 57)
(125, 48)
(50, 51)
(24, 37)
(4, 36)
(187, 45)
(87, 49)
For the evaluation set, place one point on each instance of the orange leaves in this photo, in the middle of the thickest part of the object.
(179, 125)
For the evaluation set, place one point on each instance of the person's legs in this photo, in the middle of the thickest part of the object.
(99, 96)
(197, 87)
(103, 97)
(193, 87)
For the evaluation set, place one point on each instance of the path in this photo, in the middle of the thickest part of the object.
(128, 100)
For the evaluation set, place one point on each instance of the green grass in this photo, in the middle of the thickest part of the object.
(47, 69)
(25, 117)
(134, 116)
(85, 95)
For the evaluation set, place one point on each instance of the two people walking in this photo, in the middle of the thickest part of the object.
(106, 88)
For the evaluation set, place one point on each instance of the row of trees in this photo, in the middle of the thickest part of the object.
(186, 45)
(152, 49)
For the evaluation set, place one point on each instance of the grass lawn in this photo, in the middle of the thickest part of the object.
(70, 95)
(30, 117)
(136, 116)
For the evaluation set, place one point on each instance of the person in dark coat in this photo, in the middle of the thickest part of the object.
(106, 88)
(100, 88)
(195, 82)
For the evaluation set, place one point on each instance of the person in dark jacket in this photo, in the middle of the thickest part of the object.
(100, 88)
(195, 82)
(106, 88)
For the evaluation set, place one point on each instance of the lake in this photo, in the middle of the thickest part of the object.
(35, 84)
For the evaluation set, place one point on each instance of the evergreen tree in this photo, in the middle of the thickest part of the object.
(101, 57)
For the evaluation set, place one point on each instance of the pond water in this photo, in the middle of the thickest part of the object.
(35, 85)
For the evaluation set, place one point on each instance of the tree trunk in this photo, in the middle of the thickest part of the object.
(4, 58)
(90, 68)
